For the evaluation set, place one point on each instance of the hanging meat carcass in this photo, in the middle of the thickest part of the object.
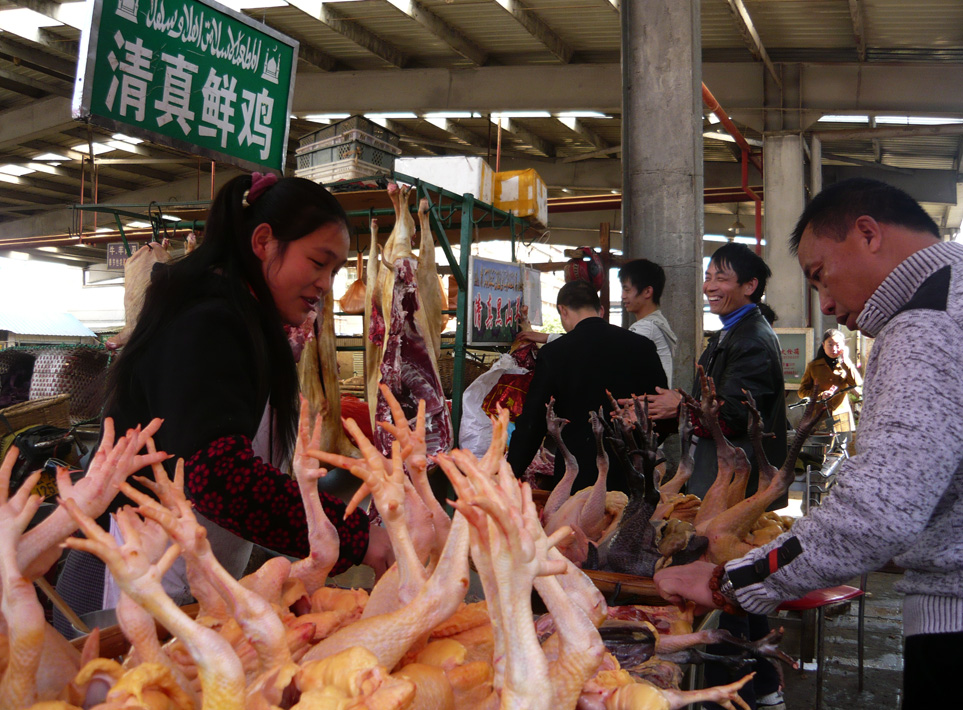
(403, 311)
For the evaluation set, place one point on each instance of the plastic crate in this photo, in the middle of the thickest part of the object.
(347, 169)
(343, 151)
(359, 123)
(347, 137)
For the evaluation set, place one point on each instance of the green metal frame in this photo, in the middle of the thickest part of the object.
(468, 212)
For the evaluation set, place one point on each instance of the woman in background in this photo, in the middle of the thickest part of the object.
(827, 376)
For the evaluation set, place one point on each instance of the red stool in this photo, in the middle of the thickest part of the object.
(817, 601)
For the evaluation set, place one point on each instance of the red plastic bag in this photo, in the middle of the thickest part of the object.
(509, 392)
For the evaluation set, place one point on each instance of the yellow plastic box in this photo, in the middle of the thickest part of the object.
(523, 193)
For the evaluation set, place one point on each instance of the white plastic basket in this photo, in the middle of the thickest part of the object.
(348, 169)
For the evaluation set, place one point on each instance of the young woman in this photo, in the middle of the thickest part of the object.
(210, 356)
(826, 376)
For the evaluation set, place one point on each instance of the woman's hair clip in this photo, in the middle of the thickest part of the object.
(260, 182)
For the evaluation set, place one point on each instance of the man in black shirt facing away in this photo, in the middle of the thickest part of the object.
(577, 369)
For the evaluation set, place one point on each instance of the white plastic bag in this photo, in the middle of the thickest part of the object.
(475, 430)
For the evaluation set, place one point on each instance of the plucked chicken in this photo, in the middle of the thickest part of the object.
(280, 638)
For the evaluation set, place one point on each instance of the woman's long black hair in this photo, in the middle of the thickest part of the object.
(293, 207)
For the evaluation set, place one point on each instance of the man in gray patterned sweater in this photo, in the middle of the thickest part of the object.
(877, 262)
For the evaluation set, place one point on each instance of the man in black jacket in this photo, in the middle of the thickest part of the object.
(744, 355)
(577, 369)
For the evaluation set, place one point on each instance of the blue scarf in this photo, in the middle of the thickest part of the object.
(730, 319)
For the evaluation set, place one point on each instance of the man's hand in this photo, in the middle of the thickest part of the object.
(531, 336)
(664, 404)
(687, 582)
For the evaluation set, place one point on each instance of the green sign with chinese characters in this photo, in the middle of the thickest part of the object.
(189, 74)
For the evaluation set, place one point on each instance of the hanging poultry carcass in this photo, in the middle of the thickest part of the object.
(137, 271)
(318, 375)
(403, 308)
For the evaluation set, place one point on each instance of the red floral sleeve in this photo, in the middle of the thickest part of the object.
(237, 490)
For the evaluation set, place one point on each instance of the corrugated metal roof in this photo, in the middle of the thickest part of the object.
(44, 323)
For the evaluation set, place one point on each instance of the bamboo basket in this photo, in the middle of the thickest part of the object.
(446, 370)
(45, 410)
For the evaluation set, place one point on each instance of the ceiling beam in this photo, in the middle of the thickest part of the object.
(351, 30)
(853, 87)
(537, 28)
(748, 31)
(859, 31)
(53, 10)
(61, 221)
(587, 134)
(459, 132)
(311, 54)
(543, 146)
(36, 119)
(408, 135)
(11, 81)
(442, 30)
(544, 87)
(33, 58)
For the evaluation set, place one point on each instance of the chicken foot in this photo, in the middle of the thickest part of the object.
(563, 489)
(323, 540)
(220, 670)
(20, 606)
(389, 636)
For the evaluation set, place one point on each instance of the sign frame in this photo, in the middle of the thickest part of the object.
(82, 108)
(511, 274)
(789, 338)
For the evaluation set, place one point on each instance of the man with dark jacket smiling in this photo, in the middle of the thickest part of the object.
(744, 355)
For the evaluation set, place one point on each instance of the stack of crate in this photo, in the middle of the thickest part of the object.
(346, 150)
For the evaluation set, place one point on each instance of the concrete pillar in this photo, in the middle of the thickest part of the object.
(819, 322)
(662, 170)
(784, 185)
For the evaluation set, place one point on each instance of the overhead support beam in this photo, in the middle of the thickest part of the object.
(933, 186)
(866, 163)
(605, 152)
(32, 58)
(55, 42)
(534, 25)
(751, 37)
(312, 55)
(36, 119)
(61, 221)
(29, 87)
(545, 87)
(525, 136)
(845, 134)
(577, 126)
(53, 10)
(442, 30)
(459, 132)
(404, 132)
(859, 32)
(351, 30)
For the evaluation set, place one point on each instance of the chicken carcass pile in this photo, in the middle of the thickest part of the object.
(280, 638)
(660, 526)
(404, 317)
